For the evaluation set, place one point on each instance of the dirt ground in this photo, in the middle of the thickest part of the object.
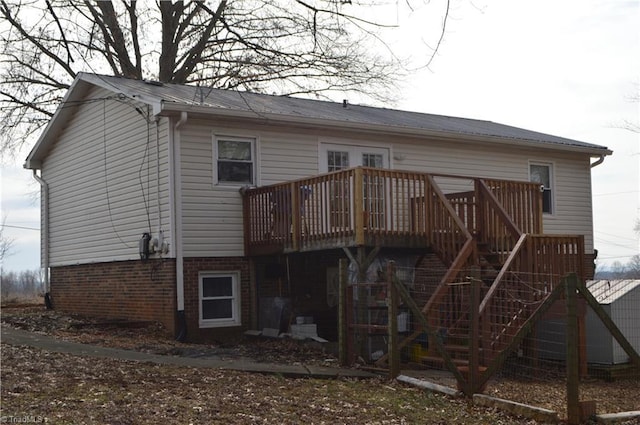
(69, 389)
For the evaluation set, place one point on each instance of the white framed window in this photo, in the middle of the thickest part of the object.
(337, 160)
(219, 299)
(542, 173)
(235, 160)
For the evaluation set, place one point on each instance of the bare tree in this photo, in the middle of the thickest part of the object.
(618, 270)
(20, 286)
(633, 267)
(633, 126)
(6, 243)
(281, 46)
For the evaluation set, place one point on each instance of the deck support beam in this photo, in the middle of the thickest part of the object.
(362, 261)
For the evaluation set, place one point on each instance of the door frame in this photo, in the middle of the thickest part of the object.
(357, 149)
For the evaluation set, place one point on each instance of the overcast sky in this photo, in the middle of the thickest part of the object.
(567, 68)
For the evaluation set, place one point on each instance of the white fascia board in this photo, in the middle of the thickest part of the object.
(155, 103)
(172, 108)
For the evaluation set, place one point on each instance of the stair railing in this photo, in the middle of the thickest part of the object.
(528, 277)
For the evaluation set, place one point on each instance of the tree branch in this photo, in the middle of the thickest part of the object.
(4, 9)
(195, 53)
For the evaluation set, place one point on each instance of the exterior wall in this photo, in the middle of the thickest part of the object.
(131, 290)
(572, 176)
(103, 186)
(211, 213)
(192, 267)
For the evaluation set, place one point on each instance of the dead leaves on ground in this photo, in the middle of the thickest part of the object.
(69, 389)
(72, 389)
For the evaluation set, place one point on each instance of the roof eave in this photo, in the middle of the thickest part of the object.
(55, 124)
(76, 91)
(167, 108)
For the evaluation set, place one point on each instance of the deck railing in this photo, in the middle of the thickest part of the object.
(370, 206)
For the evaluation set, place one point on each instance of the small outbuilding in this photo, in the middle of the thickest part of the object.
(621, 300)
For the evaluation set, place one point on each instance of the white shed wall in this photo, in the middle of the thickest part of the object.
(626, 314)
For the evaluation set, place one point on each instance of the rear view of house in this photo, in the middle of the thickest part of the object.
(200, 208)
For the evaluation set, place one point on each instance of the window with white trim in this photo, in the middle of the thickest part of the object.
(337, 160)
(543, 174)
(235, 160)
(219, 299)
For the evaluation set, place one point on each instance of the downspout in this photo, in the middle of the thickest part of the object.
(44, 231)
(176, 181)
(160, 243)
(595, 251)
(598, 162)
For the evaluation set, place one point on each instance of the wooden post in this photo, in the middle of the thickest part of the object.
(246, 221)
(362, 316)
(392, 308)
(358, 205)
(342, 312)
(479, 208)
(474, 334)
(573, 358)
(295, 216)
(582, 333)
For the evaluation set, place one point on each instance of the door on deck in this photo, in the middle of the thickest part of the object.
(335, 157)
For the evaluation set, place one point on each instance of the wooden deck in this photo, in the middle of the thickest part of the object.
(485, 231)
(388, 208)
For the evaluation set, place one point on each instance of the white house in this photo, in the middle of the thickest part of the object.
(142, 210)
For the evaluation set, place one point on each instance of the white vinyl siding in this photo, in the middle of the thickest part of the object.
(572, 176)
(102, 179)
(212, 215)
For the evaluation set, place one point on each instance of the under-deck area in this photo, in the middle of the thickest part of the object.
(460, 227)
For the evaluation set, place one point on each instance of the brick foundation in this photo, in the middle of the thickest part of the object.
(127, 290)
(192, 267)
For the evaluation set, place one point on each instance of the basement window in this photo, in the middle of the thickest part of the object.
(543, 174)
(219, 299)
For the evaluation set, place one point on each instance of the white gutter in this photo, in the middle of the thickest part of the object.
(44, 230)
(175, 193)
